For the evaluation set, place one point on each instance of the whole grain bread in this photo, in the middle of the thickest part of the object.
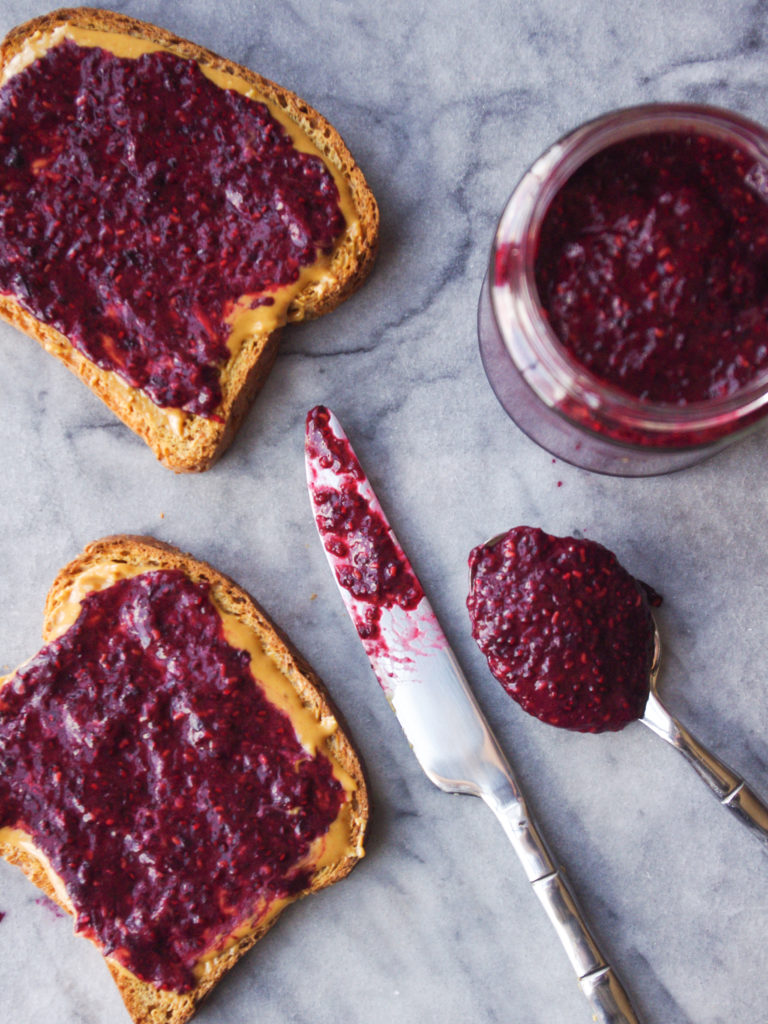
(192, 443)
(146, 1003)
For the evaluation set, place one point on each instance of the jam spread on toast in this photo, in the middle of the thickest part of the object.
(367, 562)
(565, 628)
(652, 267)
(141, 206)
(171, 797)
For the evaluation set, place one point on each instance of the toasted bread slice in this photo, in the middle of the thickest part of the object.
(185, 440)
(289, 684)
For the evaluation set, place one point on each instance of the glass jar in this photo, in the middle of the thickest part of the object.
(553, 398)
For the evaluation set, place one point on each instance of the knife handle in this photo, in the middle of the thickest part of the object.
(597, 979)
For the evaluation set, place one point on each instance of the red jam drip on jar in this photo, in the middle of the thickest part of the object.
(168, 793)
(368, 562)
(139, 202)
(652, 267)
(566, 630)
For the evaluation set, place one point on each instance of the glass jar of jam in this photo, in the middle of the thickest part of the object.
(623, 322)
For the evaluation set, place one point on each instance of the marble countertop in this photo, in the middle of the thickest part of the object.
(444, 106)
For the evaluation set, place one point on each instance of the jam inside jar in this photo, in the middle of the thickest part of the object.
(623, 322)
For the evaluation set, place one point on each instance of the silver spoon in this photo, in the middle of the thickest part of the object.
(729, 788)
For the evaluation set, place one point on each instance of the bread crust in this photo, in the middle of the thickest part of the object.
(199, 442)
(146, 1003)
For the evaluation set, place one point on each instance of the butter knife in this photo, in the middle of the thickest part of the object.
(428, 692)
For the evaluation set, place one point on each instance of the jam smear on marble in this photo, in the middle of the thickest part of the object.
(566, 629)
(139, 202)
(652, 267)
(169, 794)
(367, 560)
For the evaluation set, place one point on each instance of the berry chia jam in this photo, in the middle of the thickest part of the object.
(566, 629)
(367, 561)
(652, 267)
(623, 323)
(169, 794)
(139, 202)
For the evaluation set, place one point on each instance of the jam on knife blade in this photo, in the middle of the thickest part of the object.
(371, 569)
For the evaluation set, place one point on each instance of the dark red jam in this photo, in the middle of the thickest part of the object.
(566, 630)
(652, 267)
(367, 561)
(139, 202)
(168, 793)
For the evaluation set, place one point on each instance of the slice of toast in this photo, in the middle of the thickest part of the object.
(289, 685)
(184, 440)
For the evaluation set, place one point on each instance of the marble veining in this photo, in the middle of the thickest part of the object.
(444, 105)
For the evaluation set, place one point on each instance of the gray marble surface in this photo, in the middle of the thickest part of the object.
(443, 104)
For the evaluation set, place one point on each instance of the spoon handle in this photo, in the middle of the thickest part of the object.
(730, 788)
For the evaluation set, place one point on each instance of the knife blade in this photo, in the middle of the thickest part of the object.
(424, 684)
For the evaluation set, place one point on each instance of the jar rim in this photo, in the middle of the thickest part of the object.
(565, 384)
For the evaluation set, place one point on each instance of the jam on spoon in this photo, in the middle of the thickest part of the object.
(570, 635)
(567, 631)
